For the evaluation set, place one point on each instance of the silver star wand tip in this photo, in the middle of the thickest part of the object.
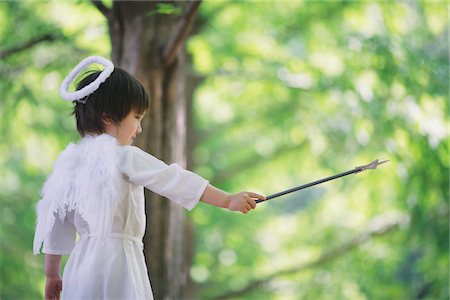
(373, 165)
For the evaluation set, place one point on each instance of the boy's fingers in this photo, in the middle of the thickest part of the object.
(252, 203)
(255, 195)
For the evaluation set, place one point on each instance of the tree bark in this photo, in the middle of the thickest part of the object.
(140, 44)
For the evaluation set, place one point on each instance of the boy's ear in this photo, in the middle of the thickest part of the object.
(106, 119)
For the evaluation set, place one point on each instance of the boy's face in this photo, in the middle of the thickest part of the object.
(126, 131)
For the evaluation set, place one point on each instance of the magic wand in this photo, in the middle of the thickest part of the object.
(373, 165)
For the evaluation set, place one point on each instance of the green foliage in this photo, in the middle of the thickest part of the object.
(34, 124)
(168, 9)
(296, 91)
(293, 91)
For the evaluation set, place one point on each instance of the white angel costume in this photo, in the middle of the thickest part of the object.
(96, 190)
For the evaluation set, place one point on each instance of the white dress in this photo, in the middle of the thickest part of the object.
(96, 190)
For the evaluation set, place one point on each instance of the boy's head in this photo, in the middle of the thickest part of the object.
(115, 98)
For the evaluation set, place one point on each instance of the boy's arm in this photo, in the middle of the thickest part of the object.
(243, 201)
(53, 285)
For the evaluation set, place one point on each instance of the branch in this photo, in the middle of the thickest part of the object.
(378, 226)
(182, 29)
(102, 8)
(26, 45)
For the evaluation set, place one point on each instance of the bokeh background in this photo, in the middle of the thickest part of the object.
(288, 92)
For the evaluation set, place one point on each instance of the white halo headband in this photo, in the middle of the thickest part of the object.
(91, 87)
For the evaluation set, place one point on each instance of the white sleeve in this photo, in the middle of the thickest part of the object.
(61, 239)
(170, 181)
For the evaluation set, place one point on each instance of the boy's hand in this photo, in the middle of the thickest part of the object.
(243, 202)
(53, 287)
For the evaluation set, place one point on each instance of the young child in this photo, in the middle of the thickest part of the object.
(96, 190)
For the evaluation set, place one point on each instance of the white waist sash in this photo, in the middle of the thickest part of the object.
(118, 236)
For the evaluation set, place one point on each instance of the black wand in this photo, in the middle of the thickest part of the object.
(373, 165)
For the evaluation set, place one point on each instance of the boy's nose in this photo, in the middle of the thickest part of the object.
(139, 129)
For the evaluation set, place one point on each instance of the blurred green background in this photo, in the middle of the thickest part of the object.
(290, 92)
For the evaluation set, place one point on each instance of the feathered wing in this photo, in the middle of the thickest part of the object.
(85, 179)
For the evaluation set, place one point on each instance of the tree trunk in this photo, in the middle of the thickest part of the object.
(140, 37)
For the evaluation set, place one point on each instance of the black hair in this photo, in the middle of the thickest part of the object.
(116, 97)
